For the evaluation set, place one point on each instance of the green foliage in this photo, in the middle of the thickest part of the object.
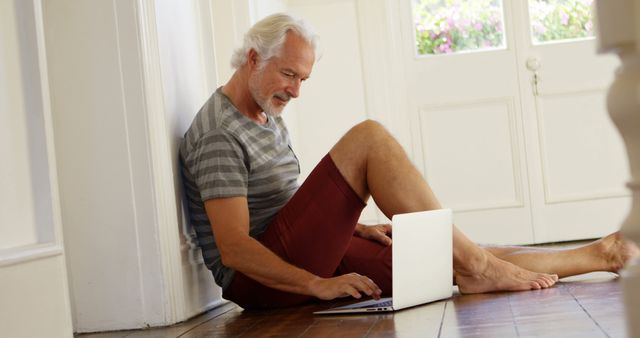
(560, 19)
(447, 26)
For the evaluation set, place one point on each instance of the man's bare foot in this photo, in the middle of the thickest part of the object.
(614, 252)
(493, 274)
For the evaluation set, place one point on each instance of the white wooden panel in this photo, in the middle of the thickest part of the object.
(589, 164)
(183, 49)
(17, 223)
(560, 72)
(36, 289)
(33, 281)
(26, 209)
(332, 100)
(231, 19)
(470, 167)
(583, 219)
(123, 96)
(99, 207)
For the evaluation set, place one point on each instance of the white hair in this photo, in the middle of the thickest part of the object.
(268, 35)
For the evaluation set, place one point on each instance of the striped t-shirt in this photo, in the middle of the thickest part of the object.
(225, 154)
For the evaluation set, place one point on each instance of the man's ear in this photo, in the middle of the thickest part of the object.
(252, 58)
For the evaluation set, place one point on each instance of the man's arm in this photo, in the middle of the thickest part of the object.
(229, 219)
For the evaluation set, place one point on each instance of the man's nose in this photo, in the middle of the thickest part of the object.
(294, 89)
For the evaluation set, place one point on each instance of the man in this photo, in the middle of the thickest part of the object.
(270, 243)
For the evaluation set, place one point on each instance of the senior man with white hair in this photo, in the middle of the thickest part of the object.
(272, 243)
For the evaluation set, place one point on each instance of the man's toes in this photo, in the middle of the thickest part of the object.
(542, 282)
(535, 285)
(546, 283)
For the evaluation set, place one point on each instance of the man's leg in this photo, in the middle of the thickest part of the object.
(374, 164)
(609, 253)
(313, 231)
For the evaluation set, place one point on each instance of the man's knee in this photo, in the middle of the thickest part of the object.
(356, 144)
(369, 130)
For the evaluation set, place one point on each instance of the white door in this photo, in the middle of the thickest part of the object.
(518, 163)
(33, 278)
(466, 118)
(577, 159)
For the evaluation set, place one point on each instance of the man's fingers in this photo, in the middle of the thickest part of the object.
(367, 286)
(383, 238)
(352, 284)
(353, 292)
(376, 290)
(387, 228)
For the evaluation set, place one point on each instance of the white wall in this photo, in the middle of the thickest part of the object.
(105, 193)
(16, 200)
(33, 282)
(35, 301)
(188, 75)
(127, 78)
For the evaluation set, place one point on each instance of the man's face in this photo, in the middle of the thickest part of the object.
(274, 82)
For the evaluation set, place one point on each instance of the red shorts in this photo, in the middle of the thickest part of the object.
(314, 231)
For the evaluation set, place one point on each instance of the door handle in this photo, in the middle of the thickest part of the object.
(533, 64)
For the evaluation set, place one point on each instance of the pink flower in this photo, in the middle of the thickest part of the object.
(588, 26)
(538, 28)
(451, 23)
(443, 49)
(564, 18)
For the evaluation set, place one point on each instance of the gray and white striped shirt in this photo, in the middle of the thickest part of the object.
(225, 154)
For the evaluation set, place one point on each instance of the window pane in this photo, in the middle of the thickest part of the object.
(555, 20)
(449, 26)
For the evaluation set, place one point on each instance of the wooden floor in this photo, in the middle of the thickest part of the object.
(583, 306)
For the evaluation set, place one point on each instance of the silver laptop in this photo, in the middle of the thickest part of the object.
(422, 263)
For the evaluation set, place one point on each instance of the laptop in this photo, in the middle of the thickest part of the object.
(422, 263)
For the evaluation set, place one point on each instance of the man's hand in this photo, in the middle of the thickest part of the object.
(377, 233)
(351, 284)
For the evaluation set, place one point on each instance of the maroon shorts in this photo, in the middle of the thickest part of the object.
(314, 231)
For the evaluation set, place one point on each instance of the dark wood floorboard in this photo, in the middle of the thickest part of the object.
(590, 305)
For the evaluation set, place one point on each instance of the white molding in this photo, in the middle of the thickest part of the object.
(298, 3)
(37, 149)
(189, 247)
(206, 44)
(571, 198)
(29, 253)
(549, 197)
(515, 141)
(203, 12)
(177, 244)
(160, 164)
(568, 93)
(231, 19)
(48, 128)
(383, 72)
(55, 248)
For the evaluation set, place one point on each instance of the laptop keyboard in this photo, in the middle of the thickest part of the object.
(380, 304)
